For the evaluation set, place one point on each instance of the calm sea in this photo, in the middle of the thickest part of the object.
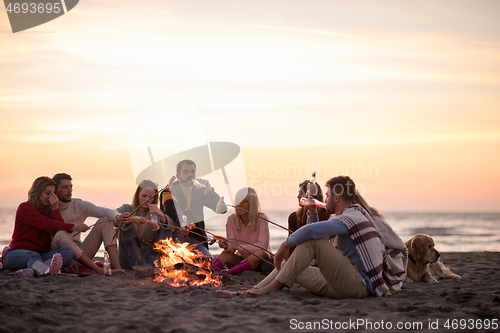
(452, 232)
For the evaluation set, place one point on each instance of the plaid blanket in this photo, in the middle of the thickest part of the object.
(384, 264)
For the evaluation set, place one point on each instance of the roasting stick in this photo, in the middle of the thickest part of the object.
(220, 238)
(276, 224)
(317, 202)
(120, 227)
(221, 200)
(153, 224)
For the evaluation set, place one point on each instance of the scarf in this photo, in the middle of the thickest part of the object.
(384, 265)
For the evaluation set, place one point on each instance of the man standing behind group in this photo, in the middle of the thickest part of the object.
(191, 200)
(76, 211)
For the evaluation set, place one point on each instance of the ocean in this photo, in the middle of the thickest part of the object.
(452, 232)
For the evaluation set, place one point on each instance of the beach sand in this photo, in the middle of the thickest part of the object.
(135, 303)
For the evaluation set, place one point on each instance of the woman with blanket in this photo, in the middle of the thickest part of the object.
(136, 237)
(245, 225)
(37, 221)
(397, 253)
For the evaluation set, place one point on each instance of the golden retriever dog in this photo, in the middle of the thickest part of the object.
(423, 260)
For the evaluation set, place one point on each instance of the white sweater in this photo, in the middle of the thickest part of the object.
(76, 212)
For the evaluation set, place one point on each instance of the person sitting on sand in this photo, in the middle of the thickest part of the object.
(136, 237)
(248, 236)
(395, 247)
(356, 270)
(37, 220)
(76, 211)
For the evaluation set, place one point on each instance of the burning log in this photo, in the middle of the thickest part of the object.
(143, 271)
(179, 265)
(192, 270)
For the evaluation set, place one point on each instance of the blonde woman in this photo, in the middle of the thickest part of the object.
(246, 225)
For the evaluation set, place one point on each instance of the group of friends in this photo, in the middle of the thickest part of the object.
(346, 250)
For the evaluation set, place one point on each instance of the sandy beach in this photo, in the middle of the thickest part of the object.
(134, 303)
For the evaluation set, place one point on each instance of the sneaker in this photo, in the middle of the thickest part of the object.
(25, 272)
(56, 264)
(4, 252)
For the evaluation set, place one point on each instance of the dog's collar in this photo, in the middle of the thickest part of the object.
(412, 260)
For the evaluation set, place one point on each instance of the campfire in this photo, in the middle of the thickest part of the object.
(180, 266)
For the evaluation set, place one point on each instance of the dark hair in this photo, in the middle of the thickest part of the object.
(303, 190)
(181, 163)
(60, 176)
(343, 186)
(37, 188)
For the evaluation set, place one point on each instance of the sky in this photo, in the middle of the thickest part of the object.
(403, 96)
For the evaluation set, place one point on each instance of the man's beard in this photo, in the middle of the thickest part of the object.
(330, 209)
(188, 183)
(65, 200)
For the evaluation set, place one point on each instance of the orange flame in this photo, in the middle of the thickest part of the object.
(173, 256)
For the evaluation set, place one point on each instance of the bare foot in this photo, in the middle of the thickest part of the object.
(248, 291)
(227, 292)
(255, 291)
(118, 271)
(273, 286)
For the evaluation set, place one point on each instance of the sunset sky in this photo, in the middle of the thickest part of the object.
(403, 96)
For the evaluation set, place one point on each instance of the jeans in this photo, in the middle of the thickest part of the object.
(25, 258)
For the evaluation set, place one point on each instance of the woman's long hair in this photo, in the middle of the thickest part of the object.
(253, 207)
(303, 191)
(144, 184)
(37, 188)
(358, 199)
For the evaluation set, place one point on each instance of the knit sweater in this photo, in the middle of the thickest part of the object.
(33, 230)
(76, 212)
(259, 237)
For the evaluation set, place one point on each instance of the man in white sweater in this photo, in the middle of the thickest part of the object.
(76, 211)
